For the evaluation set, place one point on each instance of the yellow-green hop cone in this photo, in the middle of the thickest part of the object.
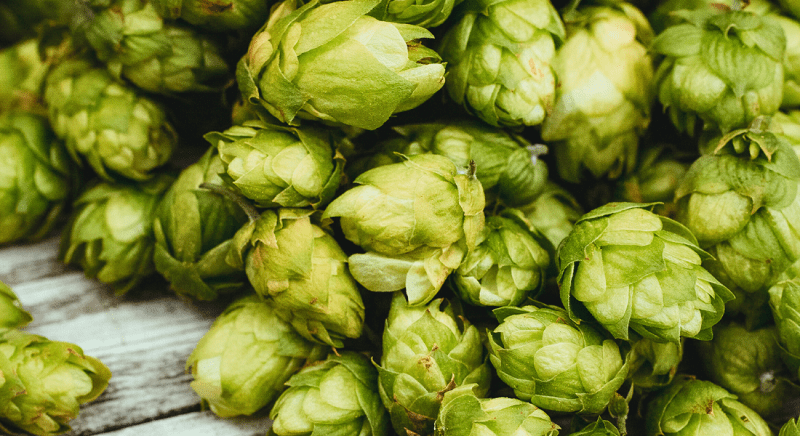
(507, 266)
(697, 407)
(465, 414)
(425, 13)
(117, 131)
(194, 229)
(36, 177)
(22, 74)
(427, 351)
(553, 362)
(604, 91)
(302, 269)
(217, 16)
(720, 70)
(243, 361)
(12, 315)
(336, 396)
(110, 234)
(790, 428)
(499, 55)
(654, 364)
(278, 166)
(633, 270)
(45, 383)
(601, 427)
(335, 63)
(554, 213)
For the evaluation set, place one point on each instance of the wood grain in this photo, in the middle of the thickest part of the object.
(144, 338)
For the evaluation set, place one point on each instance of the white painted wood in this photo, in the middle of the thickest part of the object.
(144, 338)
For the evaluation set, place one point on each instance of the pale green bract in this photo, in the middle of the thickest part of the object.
(604, 91)
(555, 363)
(784, 300)
(601, 427)
(22, 74)
(465, 414)
(691, 407)
(654, 364)
(335, 63)
(336, 396)
(424, 13)
(427, 351)
(218, 15)
(499, 56)
(302, 269)
(554, 213)
(790, 428)
(631, 269)
(241, 364)
(12, 315)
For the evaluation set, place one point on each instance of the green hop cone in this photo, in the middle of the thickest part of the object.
(22, 73)
(304, 271)
(417, 219)
(115, 129)
(465, 414)
(424, 13)
(723, 68)
(601, 427)
(499, 55)
(335, 63)
(790, 428)
(791, 61)
(281, 166)
(784, 300)
(507, 266)
(12, 315)
(604, 91)
(157, 56)
(554, 213)
(748, 364)
(697, 407)
(45, 383)
(427, 351)
(110, 234)
(243, 361)
(336, 396)
(553, 362)
(36, 177)
(654, 364)
(194, 230)
(631, 269)
(507, 164)
(218, 15)
(751, 182)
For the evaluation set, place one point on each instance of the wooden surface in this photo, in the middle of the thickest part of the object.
(144, 338)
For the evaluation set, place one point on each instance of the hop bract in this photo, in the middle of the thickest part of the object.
(554, 213)
(110, 234)
(601, 427)
(22, 73)
(425, 13)
(553, 362)
(427, 351)
(303, 270)
(336, 396)
(336, 63)
(221, 16)
(194, 230)
(465, 414)
(12, 315)
(36, 177)
(784, 300)
(45, 383)
(604, 91)
(107, 123)
(243, 361)
(695, 407)
(281, 166)
(631, 269)
(499, 56)
(790, 428)
(722, 69)
(654, 364)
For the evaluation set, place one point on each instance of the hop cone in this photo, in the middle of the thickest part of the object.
(22, 73)
(193, 229)
(465, 414)
(281, 166)
(303, 270)
(36, 177)
(784, 300)
(654, 364)
(604, 91)
(155, 55)
(724, 69)
(553, 362)
(427, 351)
(656, 179)
(695, 407)
(601, 427)
(336, 396)
(499, 56)
(335, 63)
(12, 315)
(790, 428)
(554, 213)
(243, 361)
(116, 130)
(45, 383)
(217, 16)
(425, 13)
(631, 269)
(110, 234)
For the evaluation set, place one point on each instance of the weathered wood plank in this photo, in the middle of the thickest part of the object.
(144, 338)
